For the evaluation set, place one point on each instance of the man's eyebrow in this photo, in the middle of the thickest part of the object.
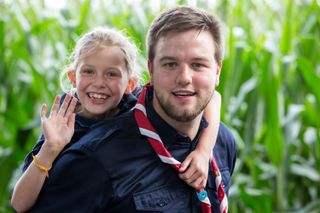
(167, 58)
(200, 59)
(171, 58)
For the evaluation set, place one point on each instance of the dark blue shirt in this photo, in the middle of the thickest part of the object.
(81, 127)
(114, 169)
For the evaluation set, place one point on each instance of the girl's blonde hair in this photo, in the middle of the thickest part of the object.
(97, 38)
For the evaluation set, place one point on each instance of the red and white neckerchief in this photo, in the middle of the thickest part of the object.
(147, 130)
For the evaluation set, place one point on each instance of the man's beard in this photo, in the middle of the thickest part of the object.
(182, 116)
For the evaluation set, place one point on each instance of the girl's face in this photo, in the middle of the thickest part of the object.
(101, 79)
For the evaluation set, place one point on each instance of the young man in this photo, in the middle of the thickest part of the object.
(126, 165)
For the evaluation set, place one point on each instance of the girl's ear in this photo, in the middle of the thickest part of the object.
(72, 77)
(131, 84)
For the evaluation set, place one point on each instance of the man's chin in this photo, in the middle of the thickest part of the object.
(182, 116)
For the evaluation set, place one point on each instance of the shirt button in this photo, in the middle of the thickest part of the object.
(162, 203)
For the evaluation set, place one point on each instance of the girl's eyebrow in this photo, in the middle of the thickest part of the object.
(87, 65)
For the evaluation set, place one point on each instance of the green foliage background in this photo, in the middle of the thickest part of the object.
(268, 85)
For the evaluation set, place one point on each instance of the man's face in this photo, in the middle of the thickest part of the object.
(184, 73)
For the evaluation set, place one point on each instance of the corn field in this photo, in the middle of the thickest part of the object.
(268, 84)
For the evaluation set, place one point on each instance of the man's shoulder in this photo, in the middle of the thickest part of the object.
(225, 138)
(225, 133)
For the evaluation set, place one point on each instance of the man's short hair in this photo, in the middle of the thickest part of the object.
(180, 19)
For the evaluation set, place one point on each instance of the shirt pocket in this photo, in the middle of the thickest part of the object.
(162, 199)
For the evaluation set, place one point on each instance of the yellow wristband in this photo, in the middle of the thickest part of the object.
(41, 167)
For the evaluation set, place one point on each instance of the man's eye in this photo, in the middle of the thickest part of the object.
(170, 65)
(198, 65)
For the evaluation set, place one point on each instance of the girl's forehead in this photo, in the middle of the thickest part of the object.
(107, 54)
(105, 57)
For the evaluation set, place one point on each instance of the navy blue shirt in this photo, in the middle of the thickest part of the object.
(81, 127)
(114, 169)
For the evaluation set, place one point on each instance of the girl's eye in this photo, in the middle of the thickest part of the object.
(112, 74)
(87, 71)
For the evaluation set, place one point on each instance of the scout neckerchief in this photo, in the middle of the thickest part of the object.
(147, 130)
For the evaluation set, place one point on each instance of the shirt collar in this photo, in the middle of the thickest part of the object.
(84, 122)
(127, 102)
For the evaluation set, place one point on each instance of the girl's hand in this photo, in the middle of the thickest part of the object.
(58, 128)
(194, 169)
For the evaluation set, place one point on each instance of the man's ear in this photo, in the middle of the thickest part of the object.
(150, 69)
(72, 77)
(131, 84)
(218, 74)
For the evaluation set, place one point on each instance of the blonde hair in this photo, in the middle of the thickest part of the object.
(97, 38)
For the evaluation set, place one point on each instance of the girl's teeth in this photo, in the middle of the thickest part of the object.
(98, 96)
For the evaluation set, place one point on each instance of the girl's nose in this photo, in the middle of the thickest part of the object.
(99, 81)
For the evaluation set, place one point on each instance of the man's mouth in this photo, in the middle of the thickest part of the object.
(183, 93)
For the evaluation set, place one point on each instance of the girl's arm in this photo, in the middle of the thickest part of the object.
(194, 169)
(58, 130)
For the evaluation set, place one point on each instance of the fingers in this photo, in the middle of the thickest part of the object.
(185, 164)
(190, 174)
(55, 105)
(203, 183)
(196, 180)
(65, 105)
(71, 120)
(43, 111)
(199, 183)
(66, 109)
(71, 107)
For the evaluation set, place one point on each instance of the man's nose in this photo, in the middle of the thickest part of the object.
(184, 75)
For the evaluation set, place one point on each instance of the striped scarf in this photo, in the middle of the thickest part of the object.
(147, 130)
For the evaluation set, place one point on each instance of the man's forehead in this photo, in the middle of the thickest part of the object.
(169, 45)
(167, 35)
